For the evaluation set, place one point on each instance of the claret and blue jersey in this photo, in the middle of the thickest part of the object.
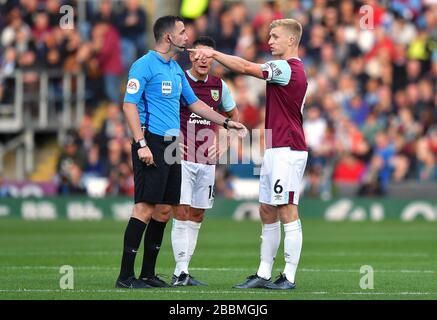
(285, 97)
(156, 86)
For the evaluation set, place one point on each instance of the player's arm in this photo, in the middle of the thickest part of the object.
(203, 110)
(229, 106)
(234, 114)
(135, 87)
(233, 63)
(133, 119)
(199, 107)
(224, 141)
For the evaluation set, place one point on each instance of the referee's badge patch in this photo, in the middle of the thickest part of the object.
(133, 85)
(215, 95)
(166, 87)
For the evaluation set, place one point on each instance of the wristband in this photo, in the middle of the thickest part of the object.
(225, 124)
(142, 143)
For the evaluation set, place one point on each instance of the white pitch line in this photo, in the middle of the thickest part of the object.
(368, 253)
(60, 253)
(227, 254)
(261, 292)
(27, 267)
(153, 291)
(375, 270)
(389, 293)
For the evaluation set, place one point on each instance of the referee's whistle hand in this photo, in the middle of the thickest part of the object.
(146, 156)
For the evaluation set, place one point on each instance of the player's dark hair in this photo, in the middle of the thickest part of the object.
(204, 41)
(164, 24)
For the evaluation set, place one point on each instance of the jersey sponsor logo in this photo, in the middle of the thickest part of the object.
(196, 119)
(215, 95)
(200, 121)
(193, 115)
(166, 88)
(133, 85)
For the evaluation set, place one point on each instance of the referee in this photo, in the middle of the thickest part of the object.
(155, 86)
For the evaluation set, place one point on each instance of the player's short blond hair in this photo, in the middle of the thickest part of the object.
(291, 25)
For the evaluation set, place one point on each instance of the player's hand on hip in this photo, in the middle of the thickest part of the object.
(239, 127)
(146, 156)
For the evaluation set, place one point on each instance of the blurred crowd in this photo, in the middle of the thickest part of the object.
(103, 46)
(370, 115)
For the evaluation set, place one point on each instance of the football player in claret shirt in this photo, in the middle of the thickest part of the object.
(285, 159)
(198, 165)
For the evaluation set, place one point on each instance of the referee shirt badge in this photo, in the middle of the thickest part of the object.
(166, 87)
(215, 95)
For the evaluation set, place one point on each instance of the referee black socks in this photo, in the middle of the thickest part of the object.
(152, 244)
(132, 239)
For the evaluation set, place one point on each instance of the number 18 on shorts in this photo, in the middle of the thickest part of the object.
(197, 184)
(281, 176)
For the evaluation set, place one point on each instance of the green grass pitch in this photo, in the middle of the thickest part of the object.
(403, 256)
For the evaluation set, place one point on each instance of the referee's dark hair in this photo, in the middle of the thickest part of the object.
(164, 24)
(204, 41)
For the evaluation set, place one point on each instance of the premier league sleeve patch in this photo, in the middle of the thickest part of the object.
(133, 86)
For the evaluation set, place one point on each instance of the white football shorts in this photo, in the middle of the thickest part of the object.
(197, 186)
(281, 176)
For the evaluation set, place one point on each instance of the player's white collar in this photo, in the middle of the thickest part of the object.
(194, 78)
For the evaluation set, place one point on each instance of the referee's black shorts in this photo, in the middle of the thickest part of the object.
(160, 184)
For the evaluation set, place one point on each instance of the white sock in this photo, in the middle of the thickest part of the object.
(270, 240)
(179, 242)
(193, 233)
(292, 248)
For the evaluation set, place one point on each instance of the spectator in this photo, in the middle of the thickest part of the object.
(348, 169)
(384, 152)
(315, 129)
(226, 40)
(95, 166)
(105, 14)
(4, 190)
(73, 183)
(427, 156)
(132, 24)
(106, 45)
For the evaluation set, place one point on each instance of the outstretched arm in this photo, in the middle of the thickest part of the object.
(233, 63)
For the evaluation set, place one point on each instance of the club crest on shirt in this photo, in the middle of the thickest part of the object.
(166, 88)
(215, 95)
(133, 85)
